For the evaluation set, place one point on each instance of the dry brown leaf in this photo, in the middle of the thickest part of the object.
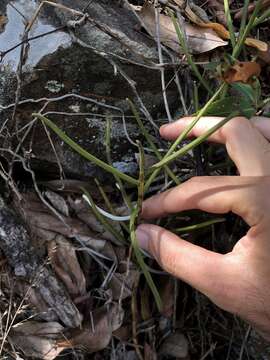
(122, 285)
(175, 346)
(64, 261)
(223, 33)
(3, 21)
(97, 336)
(242, 72)
(264, 5)
(38, 340)
(265, 55)
(257, 44)
(198, 40)
(58, 202)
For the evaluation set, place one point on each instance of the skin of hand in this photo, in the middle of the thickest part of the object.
(238, 281)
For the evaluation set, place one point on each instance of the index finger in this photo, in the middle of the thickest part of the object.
(217, 194)
(245, 144)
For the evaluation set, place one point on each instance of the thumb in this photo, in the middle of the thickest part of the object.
(201, 268)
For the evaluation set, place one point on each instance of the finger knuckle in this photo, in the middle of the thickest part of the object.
(236, 126)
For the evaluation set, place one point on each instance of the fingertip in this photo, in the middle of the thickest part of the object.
(163, 129)
(172, 130)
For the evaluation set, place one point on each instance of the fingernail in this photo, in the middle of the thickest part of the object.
(143, 238)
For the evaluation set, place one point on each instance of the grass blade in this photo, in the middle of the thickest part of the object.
(195, 142)
(140, 260)
(85, 153)
(229, 22)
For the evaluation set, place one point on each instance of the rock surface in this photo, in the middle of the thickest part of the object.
(80, 79)
(39, 282)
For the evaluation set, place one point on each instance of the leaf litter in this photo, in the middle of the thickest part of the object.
(98, 296)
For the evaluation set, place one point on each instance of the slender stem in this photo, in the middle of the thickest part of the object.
(244, 18)
(183, 135)
(261, 18)
(184, 46)
(85, 153)
(109, 159)
(150, 141)
(108, 203)
(202, 225)
(229, 22)
(120, 240)
(140, 260)
(238, 47)
(141, 178)
(195, 142)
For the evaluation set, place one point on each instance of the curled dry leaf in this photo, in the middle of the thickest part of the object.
(122, 285)
(97, 335)
(175, 346)
(58, 202)
(242, 72)
(37, 340)
(198, 40)
(64, 261)
(264, 5)
(221, 30)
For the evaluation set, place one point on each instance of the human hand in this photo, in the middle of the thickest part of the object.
(238, 281)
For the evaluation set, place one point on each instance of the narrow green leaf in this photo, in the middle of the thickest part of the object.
(245, 90)
(201, 225)
(85, 153)
(195, 142)
(140, 260)
(120, 240)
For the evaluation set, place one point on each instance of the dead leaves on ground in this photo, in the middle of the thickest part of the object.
(64, 261)
(47, 340)
(198, 40)
(69, 239)
(97, 334)
(201, 35)
(242, 72)
(37, 340)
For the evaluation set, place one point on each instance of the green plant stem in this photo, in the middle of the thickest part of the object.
(85, 153)
(195, 142)
(261, 18)
(184, 47)
(150, 142)
(120, 240)
(241, 40)
(183, 135)
(229, 22)
(109, 159)
(140, 259)
(244, 18)
(133, 222)
(141, 178)
(202, 225)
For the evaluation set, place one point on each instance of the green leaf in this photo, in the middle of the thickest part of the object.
(245, 90)
(140, 260)
(85, 153)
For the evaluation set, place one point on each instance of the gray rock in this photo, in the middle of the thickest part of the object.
(59, 65)
(31, 270)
